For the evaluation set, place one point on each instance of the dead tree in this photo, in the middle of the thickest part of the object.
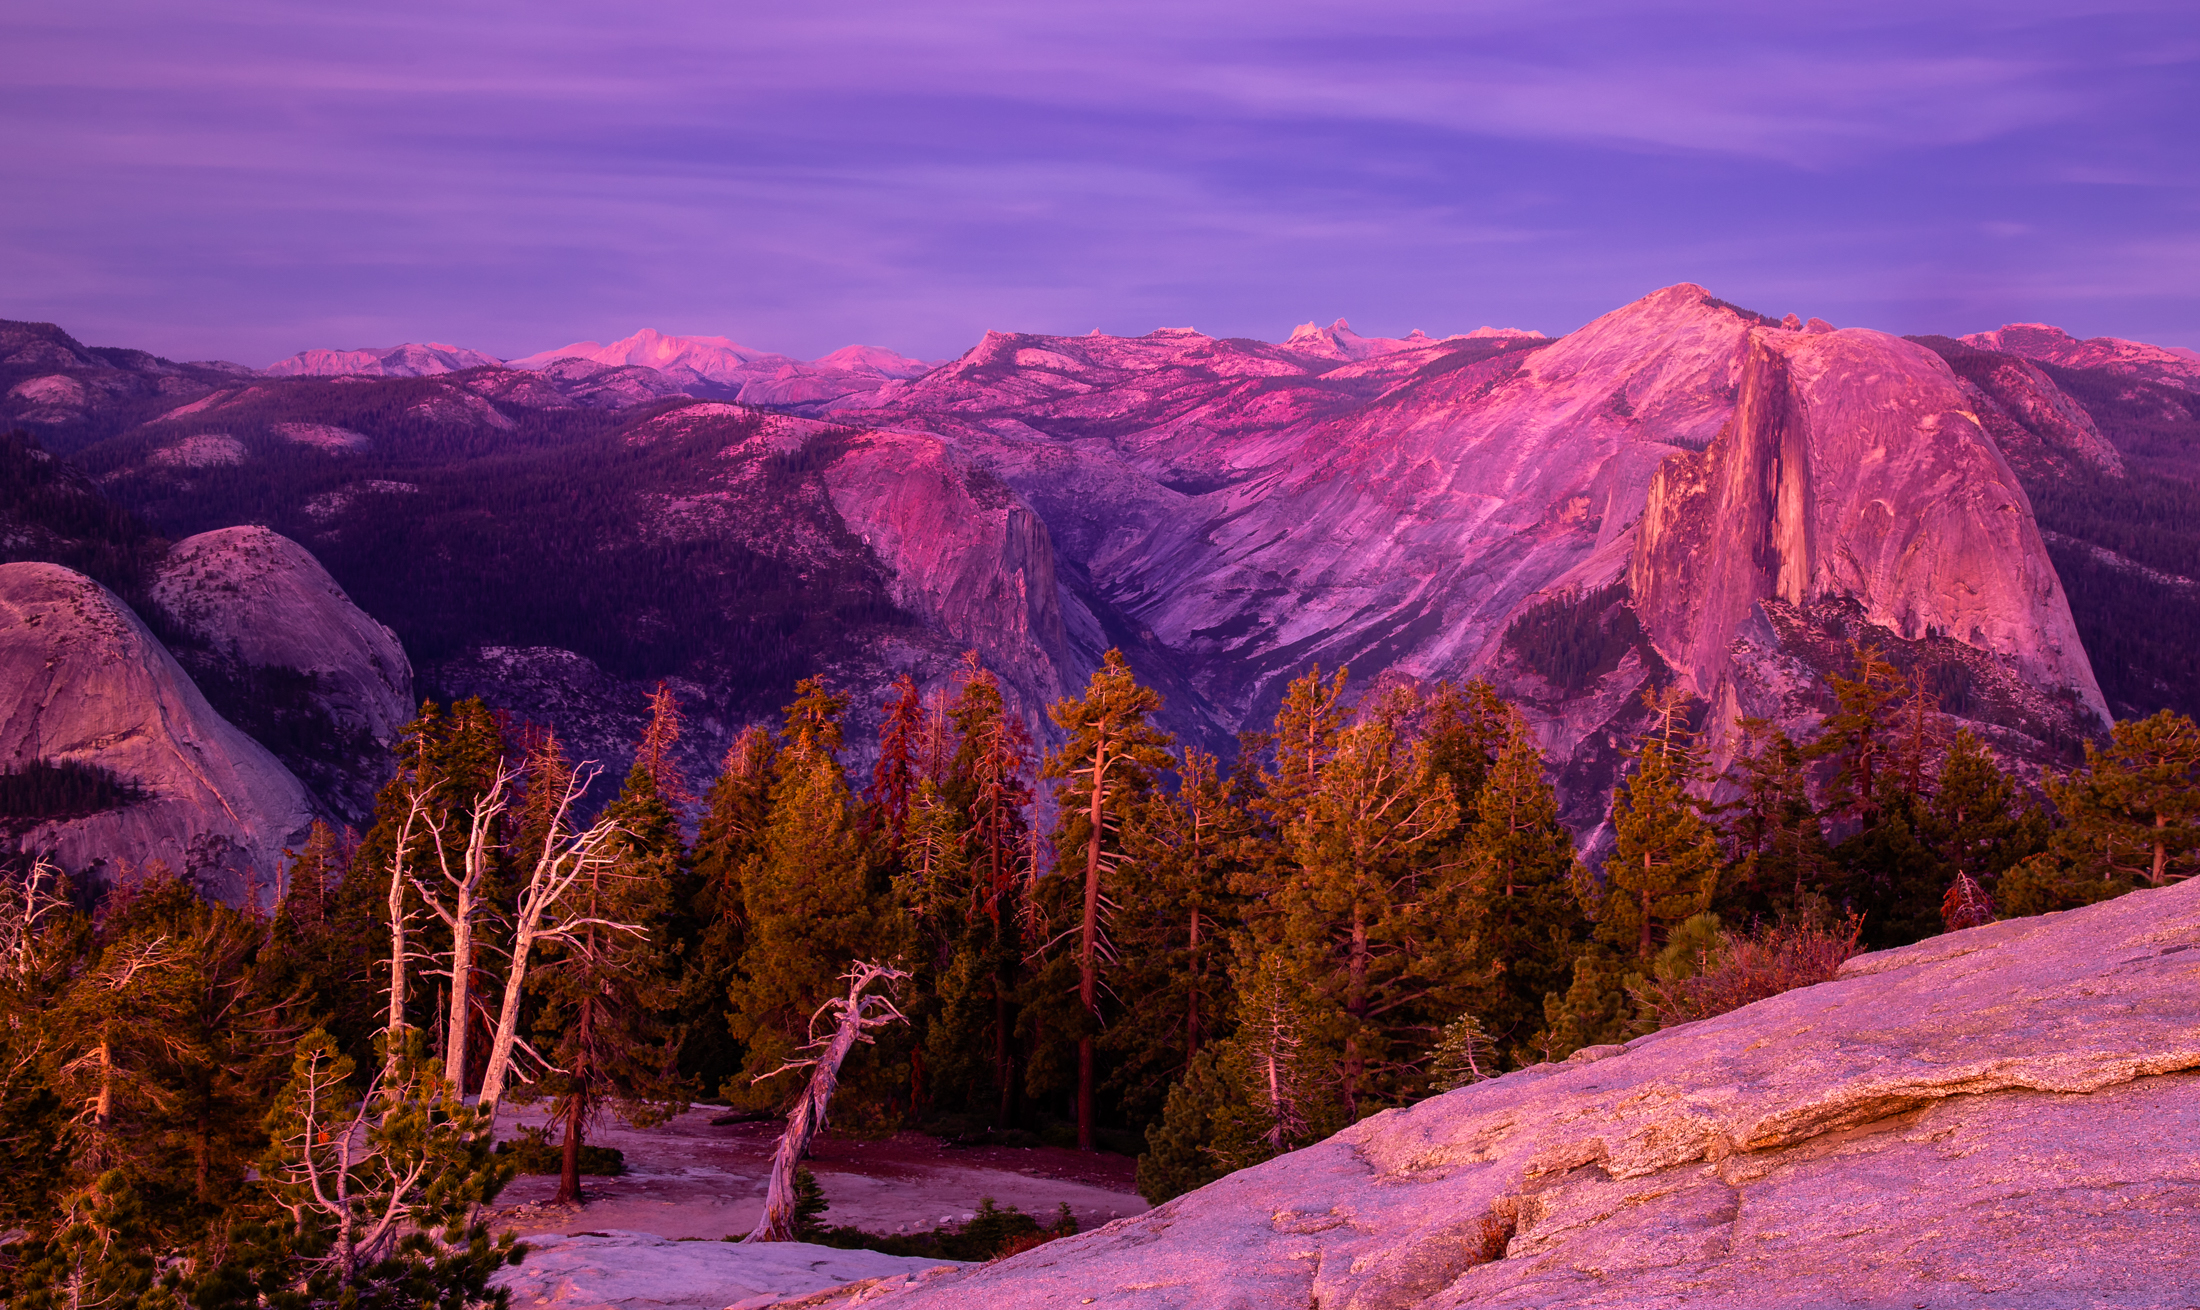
(465, 907)
(27, 906)
(859, 1013)
(416, 816)
(567, 860)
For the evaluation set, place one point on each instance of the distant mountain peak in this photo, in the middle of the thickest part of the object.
(410, 360)
(2045, 342)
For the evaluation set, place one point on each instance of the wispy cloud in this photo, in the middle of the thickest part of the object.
(253, 176)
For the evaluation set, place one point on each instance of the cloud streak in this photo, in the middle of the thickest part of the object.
(248, 179)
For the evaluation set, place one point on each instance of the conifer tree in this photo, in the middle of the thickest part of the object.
(2131, 818)
(806, 899)
(1855, 735)
(895, 777)
(1305, 737)
(989, 783)
(1467, 729)
(736, 811)
(1172, 931)
(1369, 933)
(1105, 769)
(1522, 895)
(608, 992)
(41, 940)
(1777, 850)
(1665, 859)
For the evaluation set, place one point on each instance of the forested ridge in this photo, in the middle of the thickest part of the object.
(1202, 966)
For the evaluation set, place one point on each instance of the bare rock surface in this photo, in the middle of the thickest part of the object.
(264, 599)
(1853, 469)
(2004, 1117)
(81, 679)
(614, 1270)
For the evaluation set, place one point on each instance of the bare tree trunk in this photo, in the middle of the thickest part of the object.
(858, 1014)
(569, 1169)
(1191, 997)
(1088, 968)
(396, 1021)
(563, 862)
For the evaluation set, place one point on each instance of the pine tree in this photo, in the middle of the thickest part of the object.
(1106, 767)
(2131, 817)
(1522, 894)
(1369, 932)
(1777, 851)
(736, 812)
(42, 938)
(1855, 735)
(1665, 858)
(380, 1197)
(895, 777)
(1978, 829)
(806, 900)
(608, 993)
(1467, 729)
(1172, 930)
(988, 783)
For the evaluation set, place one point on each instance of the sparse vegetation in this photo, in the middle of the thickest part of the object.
(45, 791)
(1575, 637)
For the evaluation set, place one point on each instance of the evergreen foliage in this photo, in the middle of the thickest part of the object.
(1376, 903)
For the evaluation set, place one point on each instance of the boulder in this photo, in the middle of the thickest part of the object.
(2001, 1117)
(83, 681)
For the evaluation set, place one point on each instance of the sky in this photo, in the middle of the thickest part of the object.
(242, 179)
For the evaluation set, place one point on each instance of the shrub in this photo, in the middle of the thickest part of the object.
(1740, 970)
(535, 1153)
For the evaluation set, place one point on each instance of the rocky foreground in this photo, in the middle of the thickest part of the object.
(2005, 1117)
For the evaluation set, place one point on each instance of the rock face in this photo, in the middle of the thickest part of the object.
(1684, 488)
(2005, 1116)
(1233, 511)
(1852, 470)
(268, 614)
(83, 681)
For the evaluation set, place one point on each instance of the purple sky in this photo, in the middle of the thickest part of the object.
(242, 180)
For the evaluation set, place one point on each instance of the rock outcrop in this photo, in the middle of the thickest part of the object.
(268, 616)
(595, 1271)
(82, 681)
(1852, 470)
(2000, 1117)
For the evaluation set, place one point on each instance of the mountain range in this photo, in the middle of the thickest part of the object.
(1682, 490)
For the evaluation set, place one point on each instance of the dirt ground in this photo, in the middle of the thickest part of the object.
(690, 1178)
